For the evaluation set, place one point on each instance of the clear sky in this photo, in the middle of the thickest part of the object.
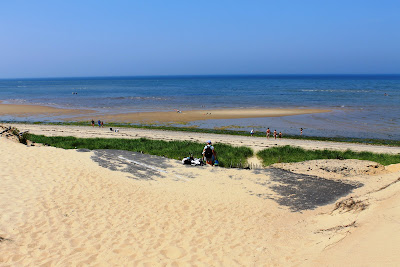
(167, 37)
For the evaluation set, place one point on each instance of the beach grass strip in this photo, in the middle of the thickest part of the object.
(227, 155)
(296, 154)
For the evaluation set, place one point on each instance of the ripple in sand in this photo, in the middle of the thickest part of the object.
(173, 252)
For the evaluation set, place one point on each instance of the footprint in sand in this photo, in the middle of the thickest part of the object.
(173, 252)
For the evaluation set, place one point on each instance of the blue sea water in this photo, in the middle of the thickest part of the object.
(362, 105)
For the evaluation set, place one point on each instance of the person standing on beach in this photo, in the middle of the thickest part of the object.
(268, 133)
(280, 135)
(252, 132)
(301, 131)
(209, 153)
(275, 134)
(102, 124)
(92, 123)
(99, 123)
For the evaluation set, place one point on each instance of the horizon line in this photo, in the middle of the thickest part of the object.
(202, 75)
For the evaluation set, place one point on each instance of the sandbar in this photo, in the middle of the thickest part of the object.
(198, 115)
(150, 117)
(32, 110)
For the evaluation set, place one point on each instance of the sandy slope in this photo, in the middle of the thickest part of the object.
(59, 207)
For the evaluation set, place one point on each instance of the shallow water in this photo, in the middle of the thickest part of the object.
(363, 105)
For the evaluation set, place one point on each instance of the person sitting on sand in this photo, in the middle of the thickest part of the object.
(209, 153)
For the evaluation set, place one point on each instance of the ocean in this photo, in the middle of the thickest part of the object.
(365, 106)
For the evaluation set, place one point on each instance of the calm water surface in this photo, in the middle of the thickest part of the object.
(363, 105)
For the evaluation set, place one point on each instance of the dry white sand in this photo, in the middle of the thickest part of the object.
(60, 208)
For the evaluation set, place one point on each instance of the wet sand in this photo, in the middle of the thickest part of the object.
(112, 208)
(197, 115)
(32, 111)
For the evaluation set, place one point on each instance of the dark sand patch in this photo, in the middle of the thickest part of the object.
(302, 192)
(141, 166)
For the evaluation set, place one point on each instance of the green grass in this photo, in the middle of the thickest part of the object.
(296, 154)
(228, 132)
(226, 154)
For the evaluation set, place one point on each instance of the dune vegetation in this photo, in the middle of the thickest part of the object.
(296, 154)
(227, 155)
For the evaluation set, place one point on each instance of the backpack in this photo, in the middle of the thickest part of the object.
(208, 152)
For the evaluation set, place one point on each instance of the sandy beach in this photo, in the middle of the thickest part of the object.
(112, 208)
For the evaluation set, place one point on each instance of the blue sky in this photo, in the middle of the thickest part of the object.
(123, 38)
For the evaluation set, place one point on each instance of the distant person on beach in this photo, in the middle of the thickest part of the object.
(99, 123)
(92, 123)
(102, 124)
(268, 132)
(280, 135)
(301, 131)
(252, 132)
(275, 134)
(209, 153)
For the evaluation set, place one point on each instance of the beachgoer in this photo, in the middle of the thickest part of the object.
(252, 132)
(92, 123)
(268, 132)
(99, 123)
(275, 134)
(209, 153)
(301, 131)
(280, 135)
(102, 124)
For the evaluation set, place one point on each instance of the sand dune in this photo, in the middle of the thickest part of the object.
(68, 208)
